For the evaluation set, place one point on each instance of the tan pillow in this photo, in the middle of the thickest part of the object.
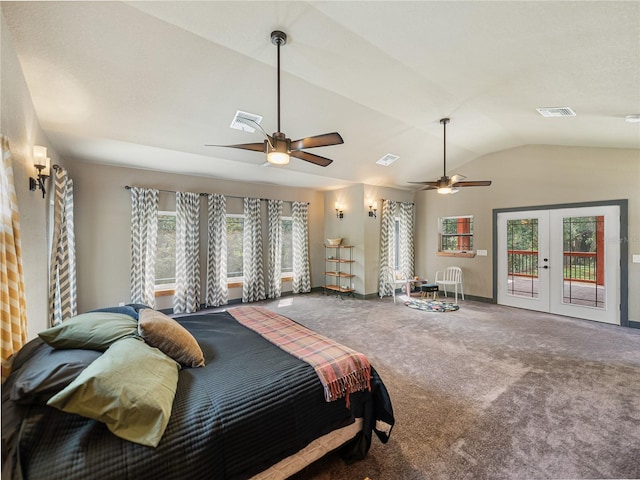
(167, 335)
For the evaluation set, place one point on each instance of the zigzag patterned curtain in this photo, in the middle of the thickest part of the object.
(144, 239)
(62, 267)
(387, 248)
(13, 306)
(217, 290)
(300, 232)
(274, 274)
(186, 298)
(253, 272)
(405, 237)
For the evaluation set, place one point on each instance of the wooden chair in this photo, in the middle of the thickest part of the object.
(450, 276)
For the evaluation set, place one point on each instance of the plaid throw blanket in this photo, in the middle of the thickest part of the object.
(341, 370)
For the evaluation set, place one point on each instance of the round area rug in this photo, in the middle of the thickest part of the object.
(432, 306)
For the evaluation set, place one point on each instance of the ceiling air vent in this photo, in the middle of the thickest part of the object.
(388, 159)
(245, 121)
(556, 112)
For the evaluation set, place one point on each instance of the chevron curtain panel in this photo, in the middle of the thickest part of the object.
(217, 290)
(387, 248)
(144, 239)
(253, 272)
(406, 212)
(300, 231)
(13, 308)
(62, 266)
(274, 262)
(186, 298)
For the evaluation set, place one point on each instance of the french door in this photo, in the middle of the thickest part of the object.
(564, 261)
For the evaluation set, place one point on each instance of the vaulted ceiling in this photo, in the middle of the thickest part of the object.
(148, 84)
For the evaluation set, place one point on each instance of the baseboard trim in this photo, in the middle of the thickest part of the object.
(633, 324)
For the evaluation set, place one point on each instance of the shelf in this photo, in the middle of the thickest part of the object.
(336, 288)
(340, 258)
(456, 254)
(339, 274)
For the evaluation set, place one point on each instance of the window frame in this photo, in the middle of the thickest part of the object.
(287, 274)
(468, 236)
(236, 279)
(164, 288)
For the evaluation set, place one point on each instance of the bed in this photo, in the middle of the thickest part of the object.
(252, 411)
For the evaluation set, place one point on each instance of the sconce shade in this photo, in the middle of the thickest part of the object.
(39, 157)
(46, 171)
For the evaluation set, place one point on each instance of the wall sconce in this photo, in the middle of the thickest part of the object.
(372, 210)
(339, 214)
(43, 165)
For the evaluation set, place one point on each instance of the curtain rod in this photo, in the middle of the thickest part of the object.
(397, 201)
(128, 187)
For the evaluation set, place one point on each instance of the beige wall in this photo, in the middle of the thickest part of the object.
(530, 176)
(18, 122)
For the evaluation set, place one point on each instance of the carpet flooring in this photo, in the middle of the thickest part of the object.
(487, 392)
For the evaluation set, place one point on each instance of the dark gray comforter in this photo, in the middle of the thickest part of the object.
(251, 406)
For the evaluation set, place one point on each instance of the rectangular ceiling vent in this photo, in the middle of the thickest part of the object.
(388, 159)
(556, 112)
(245, 121)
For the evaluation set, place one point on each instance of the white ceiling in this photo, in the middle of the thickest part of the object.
(147, 84)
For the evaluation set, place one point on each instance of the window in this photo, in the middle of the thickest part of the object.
(456, 234)
(235, 229)
(287, 247)
(166, 251)
(397, 234)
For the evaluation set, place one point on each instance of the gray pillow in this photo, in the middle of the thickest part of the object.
(47, 371)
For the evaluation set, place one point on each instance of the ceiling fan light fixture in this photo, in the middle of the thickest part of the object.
(278, 158)
(447, 190)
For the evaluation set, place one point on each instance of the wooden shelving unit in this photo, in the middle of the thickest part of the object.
(338, 274)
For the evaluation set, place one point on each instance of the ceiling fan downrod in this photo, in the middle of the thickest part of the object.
(444, 122)
(278, 38)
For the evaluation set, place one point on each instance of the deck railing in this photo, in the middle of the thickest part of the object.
(579, 266)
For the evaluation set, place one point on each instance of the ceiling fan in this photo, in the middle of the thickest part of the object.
(277, 146)
(446, 184)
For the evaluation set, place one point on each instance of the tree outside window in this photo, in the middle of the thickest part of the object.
(235, 229)
(166, 250)
(287, 246)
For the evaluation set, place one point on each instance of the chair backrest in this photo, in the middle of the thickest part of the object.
(452, 274)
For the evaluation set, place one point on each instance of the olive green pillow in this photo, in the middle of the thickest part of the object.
(92, 331)
(163, 332)
(130, 388)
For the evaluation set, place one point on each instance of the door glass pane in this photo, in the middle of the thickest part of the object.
(583, 253)
(522, 262)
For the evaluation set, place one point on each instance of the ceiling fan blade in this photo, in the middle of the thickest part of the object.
(310, 157)
(323, 140)
(256, 147)
(433, 184)
(473, 183)
(430, 187)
